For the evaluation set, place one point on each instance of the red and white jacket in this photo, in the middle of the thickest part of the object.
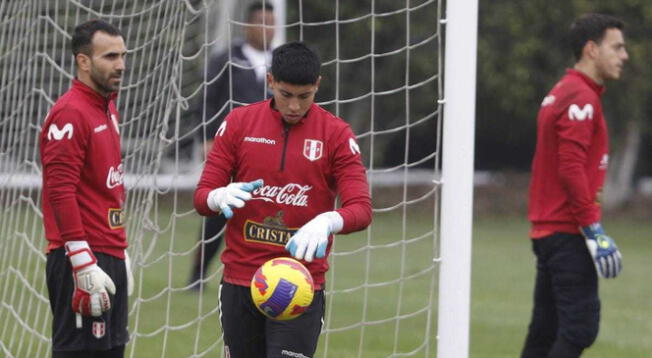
(570, 162)
(304, 167)
(83, 191)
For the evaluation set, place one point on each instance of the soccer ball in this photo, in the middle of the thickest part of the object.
(282, 288)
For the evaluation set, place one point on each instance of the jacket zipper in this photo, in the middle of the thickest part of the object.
(286, 132)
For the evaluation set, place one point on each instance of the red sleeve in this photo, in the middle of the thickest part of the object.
(64, 151)
(219, 165)
(575, 128)
(351, 181)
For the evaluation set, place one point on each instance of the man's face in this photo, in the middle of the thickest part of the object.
(259, 36)
(611, 55)
(107, 62)
(293, 101)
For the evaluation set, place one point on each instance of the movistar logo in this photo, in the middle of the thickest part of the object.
(353, 146)
(575, 113)
(221, 129)
(58, 134)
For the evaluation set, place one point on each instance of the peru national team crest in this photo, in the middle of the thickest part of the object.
(313, 149)
(99, 329)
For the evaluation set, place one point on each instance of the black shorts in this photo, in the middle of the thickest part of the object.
(248, 333)
(111, 327)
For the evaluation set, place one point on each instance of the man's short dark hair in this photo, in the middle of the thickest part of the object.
(591, 27)
(258, 6)
(295, 63)
(83, 35)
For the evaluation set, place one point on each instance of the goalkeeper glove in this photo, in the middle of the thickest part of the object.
(312, 238)
(603, 249)
(231, 196)
(92, 284)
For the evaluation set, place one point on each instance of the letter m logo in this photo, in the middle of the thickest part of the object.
(575, 113)
(58, 134)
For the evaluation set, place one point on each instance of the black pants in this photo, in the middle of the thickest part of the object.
(210, 245)
(248, 333)
(116, 352)
(106, 333)
(566, 313)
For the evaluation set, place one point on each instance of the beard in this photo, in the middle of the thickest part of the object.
(103, 82)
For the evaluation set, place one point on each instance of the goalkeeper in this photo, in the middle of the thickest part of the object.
(87, 270)
(568, 173)
(274, 171)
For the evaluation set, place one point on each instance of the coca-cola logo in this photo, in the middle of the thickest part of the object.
(115, 177)
(290, 194)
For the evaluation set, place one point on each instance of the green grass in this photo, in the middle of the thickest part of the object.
(503, 282)
(169, 321)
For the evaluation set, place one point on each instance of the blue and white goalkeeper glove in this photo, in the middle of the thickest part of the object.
(603, 249)
(234, 195)
(312, 238)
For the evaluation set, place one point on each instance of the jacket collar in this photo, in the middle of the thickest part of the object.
(93, 97)
(597, 88)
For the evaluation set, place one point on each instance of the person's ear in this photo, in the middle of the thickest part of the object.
(591, 49)
(270, 80)
(317, 83)
(83, 62)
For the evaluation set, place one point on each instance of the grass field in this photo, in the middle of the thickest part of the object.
(172, 322)
(503, 280)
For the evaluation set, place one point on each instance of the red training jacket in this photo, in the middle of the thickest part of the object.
(304, 167)
(83, 192)
(571, 157)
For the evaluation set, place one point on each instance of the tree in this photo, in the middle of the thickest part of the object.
(522, 52)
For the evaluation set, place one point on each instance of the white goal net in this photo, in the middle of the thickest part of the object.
(383, 65)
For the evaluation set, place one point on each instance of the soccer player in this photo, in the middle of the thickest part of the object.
(288, 159)
(568, 173)
(87, 270)
(248, 63)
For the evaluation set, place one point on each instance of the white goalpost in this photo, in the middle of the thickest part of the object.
(401, 73)
(457, 178)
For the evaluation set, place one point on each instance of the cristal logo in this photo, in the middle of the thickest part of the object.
(290, 194)
(115, 177)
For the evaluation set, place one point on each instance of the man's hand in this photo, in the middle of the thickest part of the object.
(312, 238)
(92, 284)
(232, 196)
(606, 256)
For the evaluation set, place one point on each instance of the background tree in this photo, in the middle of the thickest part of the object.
(523, 51)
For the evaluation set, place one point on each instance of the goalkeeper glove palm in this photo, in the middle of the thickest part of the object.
(234, 195)
(312, 238)
(603, 249)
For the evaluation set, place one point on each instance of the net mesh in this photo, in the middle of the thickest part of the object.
(382, 62)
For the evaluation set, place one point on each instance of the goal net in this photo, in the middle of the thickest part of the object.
(383, 64)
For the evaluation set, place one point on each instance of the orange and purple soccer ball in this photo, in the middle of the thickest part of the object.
(282, 288)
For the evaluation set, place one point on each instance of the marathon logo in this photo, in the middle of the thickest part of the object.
(116, 218)
(259, 140)
(271, 231)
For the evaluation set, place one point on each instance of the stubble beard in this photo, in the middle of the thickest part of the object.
(103, 84)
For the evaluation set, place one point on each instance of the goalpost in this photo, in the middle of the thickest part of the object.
(401, 73)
